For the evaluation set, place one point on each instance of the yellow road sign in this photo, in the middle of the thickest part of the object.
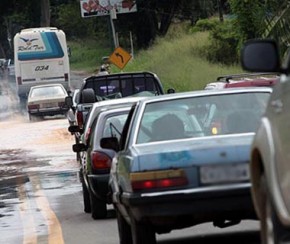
(120, 57)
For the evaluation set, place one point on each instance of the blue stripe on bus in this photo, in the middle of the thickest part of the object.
(52, 45)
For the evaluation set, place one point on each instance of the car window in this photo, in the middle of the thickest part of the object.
(170, 122)
(126, 87)
(114, 125)
(47, 91)
(202, 116)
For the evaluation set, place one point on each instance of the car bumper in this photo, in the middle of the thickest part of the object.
(204, 204)
(98, 185)
(48, 111)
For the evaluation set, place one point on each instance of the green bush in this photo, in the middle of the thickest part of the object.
(178, 62)
(223, 45)
(86, 54)
(205, 25)
(70, 21)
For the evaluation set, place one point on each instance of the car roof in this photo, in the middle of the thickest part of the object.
(101, 106)
(198, 93)
(47, 85)
(244, 80)
(117, 101)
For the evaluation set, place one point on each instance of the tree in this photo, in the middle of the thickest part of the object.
(45, 13)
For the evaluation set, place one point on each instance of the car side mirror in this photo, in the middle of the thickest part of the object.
(171, 90)
(110, 143)
(68, 101)
(79, 147)
(260, 56)
(74, 129)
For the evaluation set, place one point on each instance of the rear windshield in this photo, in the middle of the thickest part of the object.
(127, 86)
(47, 91)
(202, 116)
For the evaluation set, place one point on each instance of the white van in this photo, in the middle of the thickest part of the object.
(40, 57)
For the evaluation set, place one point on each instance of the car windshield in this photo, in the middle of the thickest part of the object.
(47, 91)
(202, 116)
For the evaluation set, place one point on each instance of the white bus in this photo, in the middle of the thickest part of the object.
(40, 57)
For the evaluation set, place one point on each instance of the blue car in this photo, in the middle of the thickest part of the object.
(183, 160)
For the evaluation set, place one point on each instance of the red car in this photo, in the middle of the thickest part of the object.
(244, 80)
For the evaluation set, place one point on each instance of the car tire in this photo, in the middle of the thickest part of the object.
(88, 96)
(98, 207)
(142, 232)
(33, 118)
(124, 229)
(86, 195)
(272, 231)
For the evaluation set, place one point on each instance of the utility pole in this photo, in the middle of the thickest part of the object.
(113, 16)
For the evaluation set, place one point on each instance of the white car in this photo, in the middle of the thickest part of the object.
(270, 154)
(46, 100)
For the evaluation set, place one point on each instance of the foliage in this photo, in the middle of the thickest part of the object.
(247, 21)
(15, 16)
(223, 40)
(86, 54)
(75, 26)
(179, 62)
(205, 25)
(223, 46)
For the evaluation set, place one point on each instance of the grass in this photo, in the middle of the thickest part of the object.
(177, 60)
(86, 55)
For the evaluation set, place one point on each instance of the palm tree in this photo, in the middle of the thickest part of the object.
(278, 27)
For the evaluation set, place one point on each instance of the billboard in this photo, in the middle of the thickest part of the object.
(90, 8)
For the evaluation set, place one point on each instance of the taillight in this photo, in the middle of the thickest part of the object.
(19, 80)
(158, 179)
(101, 162)
(33, 106)
(80, 119)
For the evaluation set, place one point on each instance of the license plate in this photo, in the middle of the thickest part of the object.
(224, 173)
(49, 105)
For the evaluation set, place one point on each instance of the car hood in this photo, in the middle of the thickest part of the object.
(192, 152)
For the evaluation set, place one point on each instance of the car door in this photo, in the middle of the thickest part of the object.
(279, 115)
(117, 169)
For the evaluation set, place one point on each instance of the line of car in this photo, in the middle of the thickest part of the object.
(171, 161)
(177, 160)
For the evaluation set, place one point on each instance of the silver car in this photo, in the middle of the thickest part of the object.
(183, 160)
(105, 119)
(270, 154)
(46, 100)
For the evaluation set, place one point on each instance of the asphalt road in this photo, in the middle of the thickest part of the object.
(40, 192)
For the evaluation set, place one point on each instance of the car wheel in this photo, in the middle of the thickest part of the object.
(98, 207)
(272, 231)
(86, 195)
(142, 233)
(33, 118)
(124, 229)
